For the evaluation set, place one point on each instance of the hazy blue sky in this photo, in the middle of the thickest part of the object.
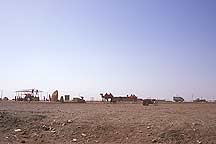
(153, 48)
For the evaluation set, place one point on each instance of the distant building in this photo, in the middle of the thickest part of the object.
(178, 99)
(5, 99)
(79, 100)
(28, 95)
(92, 99)
(67, 97)
(200, 100)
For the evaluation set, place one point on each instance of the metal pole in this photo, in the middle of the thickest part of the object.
(1, 94)
(192, 97)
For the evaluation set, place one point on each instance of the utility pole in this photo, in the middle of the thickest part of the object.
(1, 94)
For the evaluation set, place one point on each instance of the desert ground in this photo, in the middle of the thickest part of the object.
(68, 123)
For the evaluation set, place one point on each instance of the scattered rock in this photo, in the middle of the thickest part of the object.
(17, 130)
(7, 137)
(74, 140)
(154, 140)
(148, 135)
(140, 132)
(148, 127)
(199, 142)
(51, 128)
(52, 131)
(25, 136)
(83, 134)
(24, 133)
(63, 124)
(42, 135)
(195, 124)
(45, 127)
(162, 136)
(34, 135)
(69, 121)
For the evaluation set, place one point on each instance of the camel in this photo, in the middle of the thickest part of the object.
(107, 96)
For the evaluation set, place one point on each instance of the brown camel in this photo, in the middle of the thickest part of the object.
(106, 96)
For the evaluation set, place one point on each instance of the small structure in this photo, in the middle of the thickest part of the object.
(5, 99)
(79, 100)
(147, 102)
(28, 95)
(200, 100)
(67, 97)
(163, 101)
(178, 99)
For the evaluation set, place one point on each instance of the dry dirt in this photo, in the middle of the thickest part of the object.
(57, 123)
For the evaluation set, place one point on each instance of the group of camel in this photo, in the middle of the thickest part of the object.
(109, 97)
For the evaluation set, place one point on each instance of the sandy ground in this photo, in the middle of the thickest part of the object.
(57, 123)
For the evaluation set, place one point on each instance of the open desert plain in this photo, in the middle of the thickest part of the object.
(68, 123)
